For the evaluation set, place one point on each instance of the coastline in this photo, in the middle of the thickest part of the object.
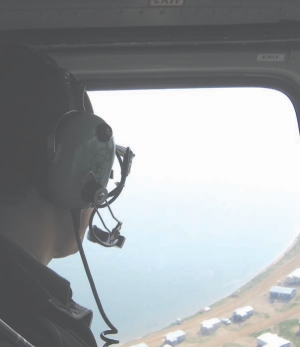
(275, 262)
(293, 243)
(288, 253)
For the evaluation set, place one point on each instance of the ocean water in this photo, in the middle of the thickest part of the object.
(185, 249)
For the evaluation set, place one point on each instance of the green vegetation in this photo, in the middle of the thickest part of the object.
(198, 339)
(235, 294)
(218, 303)
(260, 332)
(257, 279)
(288, 329)
(297, 298)
(286, 307)
(173, 324)
(262, 315)
(192, 316)
(193, 339)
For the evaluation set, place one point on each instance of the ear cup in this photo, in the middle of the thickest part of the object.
(81, 164)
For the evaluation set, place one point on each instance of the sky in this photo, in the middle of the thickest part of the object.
(247, 137)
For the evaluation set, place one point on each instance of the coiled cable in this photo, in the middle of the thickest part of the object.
(76, 213)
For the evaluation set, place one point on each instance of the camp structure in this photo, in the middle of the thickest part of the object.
(174, 337)
(204, 309)
(282, 293)
(242, 313)
(293, 278)
(140, 345)
(272, 340)
(210, 325)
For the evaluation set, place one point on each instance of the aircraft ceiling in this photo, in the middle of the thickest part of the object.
(164, 43)
(43, 14)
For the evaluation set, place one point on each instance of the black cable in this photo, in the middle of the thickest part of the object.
(99, 215)
(91, 228)
(111, 213)
(76, 213)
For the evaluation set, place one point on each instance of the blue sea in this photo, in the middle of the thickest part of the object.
(184, 250)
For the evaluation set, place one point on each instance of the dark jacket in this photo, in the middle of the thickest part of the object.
(37, 303)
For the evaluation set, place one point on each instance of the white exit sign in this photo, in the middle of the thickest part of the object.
(270, 57)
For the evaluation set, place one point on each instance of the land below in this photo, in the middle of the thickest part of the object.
(280, 317)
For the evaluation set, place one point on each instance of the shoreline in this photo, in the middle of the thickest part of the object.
(252, 282)
(268, 267)
(292, 244)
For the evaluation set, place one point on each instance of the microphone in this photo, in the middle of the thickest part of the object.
(106, 239)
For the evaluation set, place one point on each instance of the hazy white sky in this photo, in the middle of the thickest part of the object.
(246, 136)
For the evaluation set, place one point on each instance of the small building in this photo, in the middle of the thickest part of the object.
(226, 321)
(178, 321)
(204, 309)
(210, 325)
(282, 293)
(293, 278)
(140, 345)
(174, 337)
(242, 313)
(272, 340)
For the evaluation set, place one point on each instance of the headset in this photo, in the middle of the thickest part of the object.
(81, 152)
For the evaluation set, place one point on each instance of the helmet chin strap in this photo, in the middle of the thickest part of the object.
(76, 216)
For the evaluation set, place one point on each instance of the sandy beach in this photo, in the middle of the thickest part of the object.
(254, 293)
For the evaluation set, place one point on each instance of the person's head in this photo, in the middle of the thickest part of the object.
(32, 99)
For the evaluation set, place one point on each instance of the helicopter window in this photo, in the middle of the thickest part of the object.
(212, 199)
